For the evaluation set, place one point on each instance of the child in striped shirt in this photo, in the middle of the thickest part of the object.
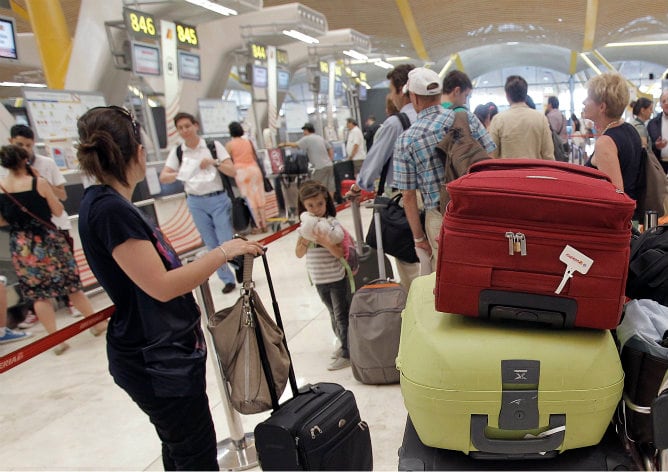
(323, 262)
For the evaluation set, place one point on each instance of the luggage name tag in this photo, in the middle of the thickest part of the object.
(575, 262)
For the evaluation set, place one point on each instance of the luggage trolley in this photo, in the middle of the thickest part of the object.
(290, 187)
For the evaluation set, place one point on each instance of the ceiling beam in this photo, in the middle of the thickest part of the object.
(591, 18)
(412, 29)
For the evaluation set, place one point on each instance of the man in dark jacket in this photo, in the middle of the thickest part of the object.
(657, 128)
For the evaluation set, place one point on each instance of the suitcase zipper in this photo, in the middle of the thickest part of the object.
(531, 231)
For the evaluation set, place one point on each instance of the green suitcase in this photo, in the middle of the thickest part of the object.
(505, 389)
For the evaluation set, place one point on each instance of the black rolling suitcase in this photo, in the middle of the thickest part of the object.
(319, 428)
(370, 267)
(607, 455)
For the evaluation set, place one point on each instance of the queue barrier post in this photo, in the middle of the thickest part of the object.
(238, 451)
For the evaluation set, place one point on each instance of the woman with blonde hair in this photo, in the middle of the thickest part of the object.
(617, 151)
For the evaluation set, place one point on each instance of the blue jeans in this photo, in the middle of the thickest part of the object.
(336, 297)
(213, 218)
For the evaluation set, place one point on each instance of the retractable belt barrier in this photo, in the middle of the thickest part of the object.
(37, 347)
(31, 350)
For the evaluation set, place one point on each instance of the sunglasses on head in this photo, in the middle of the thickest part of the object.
(128, 115)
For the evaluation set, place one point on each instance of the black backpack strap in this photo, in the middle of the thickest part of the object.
(405, 123)
(179, 153)
(211, 144)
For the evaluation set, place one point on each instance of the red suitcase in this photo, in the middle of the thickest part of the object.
(509, 231)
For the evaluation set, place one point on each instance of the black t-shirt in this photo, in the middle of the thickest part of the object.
(154, 348)
(629, 146)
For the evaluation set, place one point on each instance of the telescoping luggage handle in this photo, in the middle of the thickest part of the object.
(537, 164)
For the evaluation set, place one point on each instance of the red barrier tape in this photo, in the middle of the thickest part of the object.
(31, 350)
(37, 347)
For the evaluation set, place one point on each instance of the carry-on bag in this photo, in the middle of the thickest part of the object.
(643, 340)
(504, 389)
(319, 428)
(609, 454)
(535, 240)
(375, 325)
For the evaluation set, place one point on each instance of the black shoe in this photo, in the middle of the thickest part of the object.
(229, 287)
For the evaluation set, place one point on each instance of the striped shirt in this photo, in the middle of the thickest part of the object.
(416, 164)
(322, 266)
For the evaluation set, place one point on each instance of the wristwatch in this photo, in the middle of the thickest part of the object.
(217, 162)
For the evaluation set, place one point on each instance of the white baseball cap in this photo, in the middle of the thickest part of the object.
(423, 81)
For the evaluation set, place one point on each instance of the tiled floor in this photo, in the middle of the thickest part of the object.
(65, 413)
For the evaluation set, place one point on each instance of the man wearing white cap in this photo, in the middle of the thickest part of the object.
(416, 166)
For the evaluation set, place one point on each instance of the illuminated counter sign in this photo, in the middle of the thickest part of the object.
(258, 52)
(282, 57)
(140, 25)
(186, 35)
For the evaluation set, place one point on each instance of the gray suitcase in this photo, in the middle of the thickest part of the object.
(375, 322)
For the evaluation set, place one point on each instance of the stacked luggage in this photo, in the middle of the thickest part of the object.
(506, 353)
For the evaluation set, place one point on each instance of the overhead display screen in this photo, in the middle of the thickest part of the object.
(260, 76)
(189, 66)
(8, 39)
(145, 59)
(283, 78)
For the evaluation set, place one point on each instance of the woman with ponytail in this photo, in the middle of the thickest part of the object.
(155, 343)
(41, 256)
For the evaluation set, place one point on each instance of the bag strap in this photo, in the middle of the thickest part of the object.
(257, 160)
(279, 323)
(405, 124)
(25, 210)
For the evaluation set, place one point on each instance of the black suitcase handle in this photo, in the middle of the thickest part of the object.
(557, 312)
(548, 443)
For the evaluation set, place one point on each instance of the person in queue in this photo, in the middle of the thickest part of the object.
(210, 207)
(618, 147)
(41, 257)
(249, 178)
(43, 166)
(155, 344)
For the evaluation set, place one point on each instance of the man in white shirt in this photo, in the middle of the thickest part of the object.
(657, 128)
(209, 205)
(355, 145)
(42, 166)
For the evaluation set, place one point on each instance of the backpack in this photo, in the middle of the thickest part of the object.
(648, 266)
(651, 184)
(559, 151)
(295, 162)
(458, 150)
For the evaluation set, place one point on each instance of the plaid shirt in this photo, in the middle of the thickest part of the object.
(416, 164)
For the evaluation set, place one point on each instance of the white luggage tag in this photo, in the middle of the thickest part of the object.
(575, 262)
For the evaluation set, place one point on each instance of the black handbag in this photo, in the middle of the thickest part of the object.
(395, 230)
(241, 213)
